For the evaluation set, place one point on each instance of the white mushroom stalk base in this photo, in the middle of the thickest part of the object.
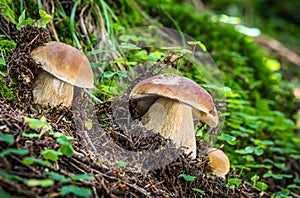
(48, 90)
(174, 120)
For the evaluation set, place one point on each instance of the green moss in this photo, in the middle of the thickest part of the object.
(5, 92)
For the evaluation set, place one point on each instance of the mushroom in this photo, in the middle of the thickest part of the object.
(63, 67)
(168, 104)
(218, 162)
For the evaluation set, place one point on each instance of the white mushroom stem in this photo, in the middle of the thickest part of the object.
(174, 120)
(47, 89)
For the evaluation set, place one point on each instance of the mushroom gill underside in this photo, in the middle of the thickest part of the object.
(173, 120)
(49, 90)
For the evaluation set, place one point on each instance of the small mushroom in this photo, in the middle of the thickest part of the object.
(168, 104)
(63, 67)
(218, 162)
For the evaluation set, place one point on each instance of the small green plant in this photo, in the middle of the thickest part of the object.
(110, 74)
(81, 192)
(14, 151)
(5, 91)
(9, 139)
(233, 182)
(260, 185)
(202, 192)
(285, 193)
(42, 22)
(122, 164)
(66, 144)
(7, 11)
(61, 178)
(39, 182)
(50, 154)
(32, 160)
(66, 147)
(187, 177)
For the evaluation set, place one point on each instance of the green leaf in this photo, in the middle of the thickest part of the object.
(7, 138)
(108, 74)
(23, 22)
(228, 138)
(263, 142)
(67, 149)
(8, 12)
(278, 165)
(2, 62)
(4, 194)
(202, 192)
(39, 182)
(121, 73)
(11, 177)
(261, 185)
(37, 124)
(81, 192)
(51, 154)
(255, 178)
(258, 151)
(187, 177)
(57, 177)
(122, 164)
(203, 47)
(249, 158)
(249, 149)
(31, 135)
(156, 55)
(259, 166)
(31, 160)
(82, 176)
(241, 151)
(88, 124)
(295, 156)
(272, 64)
(131, 63)
(283, 194)
(63, 139)
(234, 181)
(45, 19)
(277, 176)
(293, 186)
(14, 151)
(239, 133)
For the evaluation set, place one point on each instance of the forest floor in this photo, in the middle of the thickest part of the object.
(18, 178)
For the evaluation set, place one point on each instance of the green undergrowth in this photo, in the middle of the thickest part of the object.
(37, 129)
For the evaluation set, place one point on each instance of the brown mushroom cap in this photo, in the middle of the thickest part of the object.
(177, 88)
(218, 161)
(65, 63)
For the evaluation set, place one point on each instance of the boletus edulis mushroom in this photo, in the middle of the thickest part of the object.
(63, 67)
(169, 104)
(218, 162)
